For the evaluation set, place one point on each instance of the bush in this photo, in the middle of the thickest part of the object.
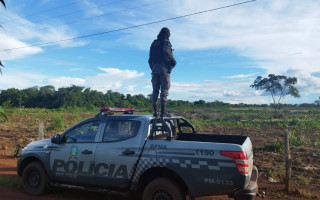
(58, 124)
(296, 141)
(276, 146)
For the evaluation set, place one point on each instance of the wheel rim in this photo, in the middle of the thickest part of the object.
(161, 195)
(34, 179)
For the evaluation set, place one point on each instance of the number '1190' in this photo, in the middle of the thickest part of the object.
(204, 152)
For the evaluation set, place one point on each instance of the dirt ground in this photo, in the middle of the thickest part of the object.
(8, 170)
(305, 183)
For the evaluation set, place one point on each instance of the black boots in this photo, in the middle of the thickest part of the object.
(164, 112)
(155, 108)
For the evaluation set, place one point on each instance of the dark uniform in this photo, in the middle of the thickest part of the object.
(161, 62)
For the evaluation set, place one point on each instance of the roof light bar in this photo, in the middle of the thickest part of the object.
(109, 111)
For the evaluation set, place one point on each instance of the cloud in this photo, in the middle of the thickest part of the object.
(94, 9)
(21, 80)
(59, 34)
(7, 42)
(211, 90)
(240, 76)
(130, 87)
(22, 33)
(265, 31)
(112, 79)
(100, 51)
(62, 63)
(307, 83)
(66, 82)
(275, 35)
(231, 93)
(316, 74)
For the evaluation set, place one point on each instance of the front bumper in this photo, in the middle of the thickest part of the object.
(19, 171)
(249, 192)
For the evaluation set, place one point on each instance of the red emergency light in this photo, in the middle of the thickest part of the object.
(109, 111)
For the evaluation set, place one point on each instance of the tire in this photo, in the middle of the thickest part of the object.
(35, 179)
(163, 189)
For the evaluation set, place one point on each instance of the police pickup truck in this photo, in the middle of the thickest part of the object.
(141, 156)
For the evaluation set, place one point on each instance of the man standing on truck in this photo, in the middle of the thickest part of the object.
(161, 62)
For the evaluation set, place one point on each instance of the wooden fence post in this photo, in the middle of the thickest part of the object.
(288, 160)
(40, 130)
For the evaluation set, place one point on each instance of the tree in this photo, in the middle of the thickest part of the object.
(200, 103)
(15, 96)
(278, 86)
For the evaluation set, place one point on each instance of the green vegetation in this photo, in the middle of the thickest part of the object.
(275, 146)
(58, 124)
(305, 180)
(295, 141)
(277, 174)
(256, 121)
(64, 107)
(3, 116)
(75, 97)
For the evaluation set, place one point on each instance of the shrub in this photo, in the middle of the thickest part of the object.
(58, 124)
(296, 141)
(276, 146)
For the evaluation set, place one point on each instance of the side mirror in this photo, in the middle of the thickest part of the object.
(56, 139)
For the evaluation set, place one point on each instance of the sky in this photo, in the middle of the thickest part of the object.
(219, 53)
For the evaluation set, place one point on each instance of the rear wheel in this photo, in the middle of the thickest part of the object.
(163, 189)
(35, 179)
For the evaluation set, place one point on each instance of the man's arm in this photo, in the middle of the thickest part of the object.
(168, 56)
(150, 64)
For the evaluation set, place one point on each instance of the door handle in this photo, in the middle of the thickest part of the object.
(86, 152)
(128, 152)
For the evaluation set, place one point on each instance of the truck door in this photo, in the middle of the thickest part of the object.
(117, 153)
(72, 160)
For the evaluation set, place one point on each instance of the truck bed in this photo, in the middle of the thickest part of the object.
(204, 137)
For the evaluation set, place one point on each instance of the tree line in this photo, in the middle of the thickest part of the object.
(76, 96)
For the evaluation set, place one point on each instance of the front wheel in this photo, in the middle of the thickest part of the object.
(163, 189)
(35, 179)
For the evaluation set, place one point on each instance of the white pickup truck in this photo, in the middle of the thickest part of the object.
(141, 156)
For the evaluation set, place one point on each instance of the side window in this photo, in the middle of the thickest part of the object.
(82, 133)
(120, 130)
